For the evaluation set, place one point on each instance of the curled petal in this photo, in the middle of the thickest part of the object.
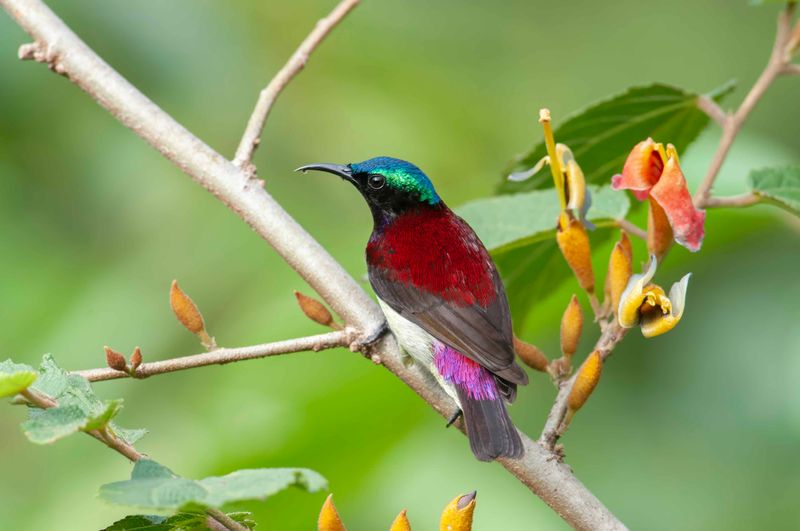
(642, 169)
(672, 194)
(657, 323)
(520, 176)
(631, 299)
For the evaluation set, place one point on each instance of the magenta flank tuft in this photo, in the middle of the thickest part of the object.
(463, 372)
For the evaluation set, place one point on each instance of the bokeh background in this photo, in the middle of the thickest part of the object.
(698, 429)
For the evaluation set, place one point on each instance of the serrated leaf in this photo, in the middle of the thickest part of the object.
(509, 221)
(130, 436)
(780, 186)
(49, 425)
(153, 486)
(52, 380)
(102, 418)
(602, 135)
(15, 378)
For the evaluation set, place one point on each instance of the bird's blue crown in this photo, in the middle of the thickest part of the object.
(400, 175)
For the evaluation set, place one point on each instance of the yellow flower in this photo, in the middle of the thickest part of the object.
(648, 305)
(457, 516)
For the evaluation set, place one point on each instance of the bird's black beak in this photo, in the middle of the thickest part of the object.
(341, 170)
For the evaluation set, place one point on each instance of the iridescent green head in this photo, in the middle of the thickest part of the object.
(390, 186)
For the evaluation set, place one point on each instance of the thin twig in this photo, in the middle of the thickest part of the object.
(631, 228)
(712, 109)
(221, 356)
(792, 70)
(554, 426)
(64, 51)
(115, 443)
(737, 201)
(266, 99)
(732, 124)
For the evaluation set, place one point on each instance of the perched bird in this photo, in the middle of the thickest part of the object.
(442, 297)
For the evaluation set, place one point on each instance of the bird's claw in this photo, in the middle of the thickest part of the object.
(364, 344)
(454, 417)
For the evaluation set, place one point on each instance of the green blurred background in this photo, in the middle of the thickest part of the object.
(698, 429)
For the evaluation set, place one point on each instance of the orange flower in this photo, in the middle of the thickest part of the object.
(652, 171)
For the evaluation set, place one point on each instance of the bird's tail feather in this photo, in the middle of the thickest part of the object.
(490, 430)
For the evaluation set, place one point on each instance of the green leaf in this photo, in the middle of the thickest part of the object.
(78, 407)
(780, 186)
(15, 378)
(154, 486)
(52, 379)
(130, 436)
(177, 522)
(602, 135)
(49, 425)
(509, 221)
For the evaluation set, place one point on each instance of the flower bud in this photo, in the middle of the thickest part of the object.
(189, 315)
(619, 271)
(315, 310)
(531, 355)
(457, 516)
(571, 327)
(329, 517)
(401, 522)
(136, 359)
(585, 382)
(114, 359)
(574, 244)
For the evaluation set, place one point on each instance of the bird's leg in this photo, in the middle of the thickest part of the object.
(454, 417)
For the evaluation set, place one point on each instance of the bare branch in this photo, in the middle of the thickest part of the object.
(221, 356)
(737, 201)
(266, 99)
(776, 66)
(552, 481)
(792, 70)
(712, 109)
(631, 228)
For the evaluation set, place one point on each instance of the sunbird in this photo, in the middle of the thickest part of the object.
(442, 297)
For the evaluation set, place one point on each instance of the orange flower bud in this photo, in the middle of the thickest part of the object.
(329, 517)
(457, 516)
(401, 523)
(585, 382)
(531, 355)
(571, 327)
(659, 231)
(136, 359)
(114, 359)
(315, 310)
(189, 315)
(619, 271)
(574, 244)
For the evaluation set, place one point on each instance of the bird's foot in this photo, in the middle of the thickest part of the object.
(454, 417)
(365, 344)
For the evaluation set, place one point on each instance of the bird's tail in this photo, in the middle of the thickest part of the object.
(490, 430)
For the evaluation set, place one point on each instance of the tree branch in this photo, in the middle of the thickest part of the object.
(64, 52)
(737, 201)
(222, 520)
(732, 123)
(631, 228)
(266, 99)
(712, 109)
(221, 356)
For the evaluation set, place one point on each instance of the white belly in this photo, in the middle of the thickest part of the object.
(418, 343)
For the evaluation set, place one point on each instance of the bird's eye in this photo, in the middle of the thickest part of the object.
(376, 182)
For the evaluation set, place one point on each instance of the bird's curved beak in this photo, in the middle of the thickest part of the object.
(341, 170)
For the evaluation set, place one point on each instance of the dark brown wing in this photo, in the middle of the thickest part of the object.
(482, 334)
